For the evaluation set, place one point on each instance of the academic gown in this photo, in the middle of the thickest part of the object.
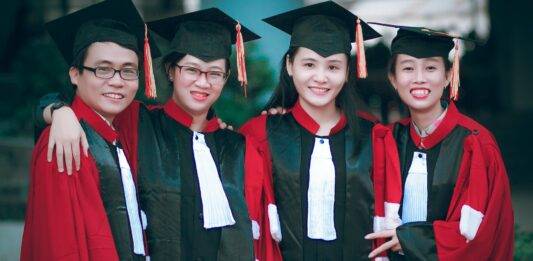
(469, 212)
(82, 216)
(169, 188)
(286, 144)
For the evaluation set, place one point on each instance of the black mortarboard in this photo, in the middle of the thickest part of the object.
(206, 34)
(109, 21)
(421, 42)
(115, 21)
(326, 28)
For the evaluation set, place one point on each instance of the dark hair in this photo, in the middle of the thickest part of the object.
(170, 60)
(285, 94)
(394, 58)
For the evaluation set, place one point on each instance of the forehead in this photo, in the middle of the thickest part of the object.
(306, 53)
(407, 58)
(189, 59)
(111, 52)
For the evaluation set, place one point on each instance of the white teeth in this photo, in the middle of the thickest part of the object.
(420, 92)
(319, 90)
(114, 95)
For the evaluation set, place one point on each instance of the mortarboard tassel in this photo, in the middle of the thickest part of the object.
(149, 79)
(241, 63)
(455, 81)
(361, 59)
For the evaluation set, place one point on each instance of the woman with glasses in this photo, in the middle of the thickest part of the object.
(199, 185)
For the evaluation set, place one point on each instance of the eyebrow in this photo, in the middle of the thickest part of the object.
(309, 59)
(110, 63)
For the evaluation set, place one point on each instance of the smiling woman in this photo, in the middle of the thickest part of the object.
(444, 188)
(318, 155)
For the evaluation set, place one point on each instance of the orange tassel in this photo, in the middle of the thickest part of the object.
(149, 79)
(360, 47)
(241, 59)
(455, 81)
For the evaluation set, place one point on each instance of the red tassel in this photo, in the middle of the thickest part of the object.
(360, 47)
(241, 59)
(455, 81)
(149, 79)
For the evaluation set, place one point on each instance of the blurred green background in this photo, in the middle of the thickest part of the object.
(496, 80)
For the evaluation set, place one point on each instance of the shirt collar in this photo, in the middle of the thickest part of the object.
(432, 127)
(175, 112)
(305, 120)
(96, 121)
(447, 124)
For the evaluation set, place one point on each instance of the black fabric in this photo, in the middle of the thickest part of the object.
(291, 147)
(444, 161)
(112, 193)
(206, 34)
(326, 28)
(421, 45)
(422, 234)
(171, 196)
(115, 21)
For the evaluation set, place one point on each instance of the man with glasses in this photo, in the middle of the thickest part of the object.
(93, 215)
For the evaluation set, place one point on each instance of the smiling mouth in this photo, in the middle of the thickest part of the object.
(113, 95)
(319, 90)
(420, 92)
(200, 96)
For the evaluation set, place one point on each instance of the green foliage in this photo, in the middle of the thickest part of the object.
(523, 245)
(36, 70)
(232, 106)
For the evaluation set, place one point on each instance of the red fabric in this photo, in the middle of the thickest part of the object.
(482, 184)
(305, 120)
(178, 114)
(65, 216)
(255, 131)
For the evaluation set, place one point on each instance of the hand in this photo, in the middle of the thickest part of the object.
(274, 111)
(393, 244)
(223, 125)
(66, 134)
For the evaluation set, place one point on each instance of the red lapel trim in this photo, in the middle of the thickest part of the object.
(86, 113)
(305, 120)
(445, 127)
(175, 112)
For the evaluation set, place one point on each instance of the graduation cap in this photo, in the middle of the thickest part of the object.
(208, 35)
(326, 28)
(115, 21)
(421, 42)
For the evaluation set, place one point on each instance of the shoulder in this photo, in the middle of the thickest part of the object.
(255, 128)
(477, 130)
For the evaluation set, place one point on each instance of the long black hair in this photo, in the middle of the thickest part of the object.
(285, 94)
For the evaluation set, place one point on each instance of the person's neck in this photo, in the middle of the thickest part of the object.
(423, 118)
(199, 120)
(326, 116)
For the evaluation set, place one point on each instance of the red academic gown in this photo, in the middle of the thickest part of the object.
(477, 223)
(127, 125)
(65, 216)
(257, 130)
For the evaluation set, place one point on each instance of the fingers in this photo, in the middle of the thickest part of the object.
(263, 112)
(59, 158)
(230, 127)
(67, 153)
(387, 245)
(380, 234)
(76, 156)
(84, 144)
(49, 154)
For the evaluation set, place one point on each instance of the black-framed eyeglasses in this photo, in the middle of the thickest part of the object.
(193, 73)
(105, 72)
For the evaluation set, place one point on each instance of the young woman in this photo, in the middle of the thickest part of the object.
(438, 174)
(192, 181)
(318, 156)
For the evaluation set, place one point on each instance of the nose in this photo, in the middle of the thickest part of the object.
(116, 81)
(420, 76)
(320, 76)
(202, 81)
